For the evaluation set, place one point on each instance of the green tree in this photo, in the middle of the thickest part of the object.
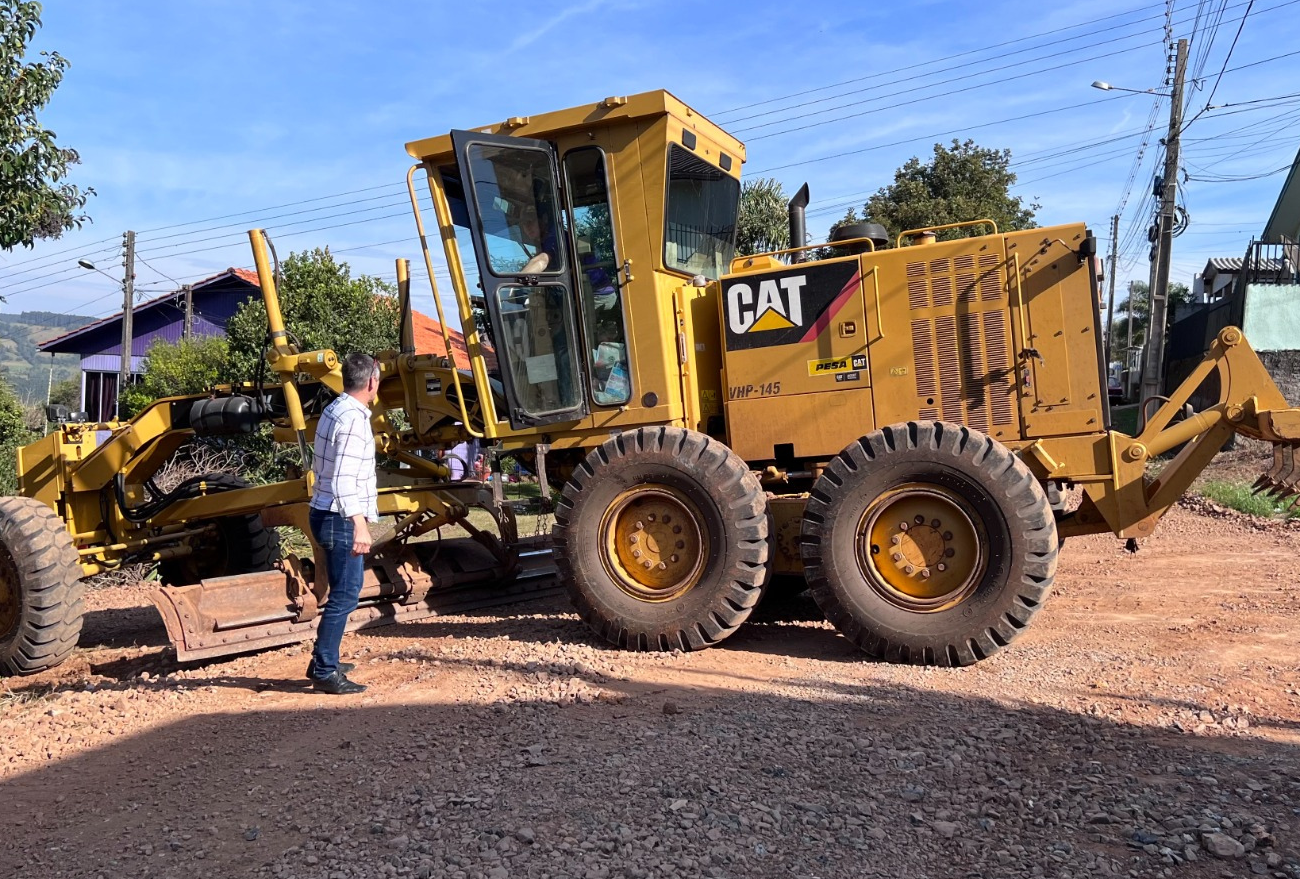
(764, 221)
(66, 393)
(13, 434)
(190, 366)
(966, 182)
(1179, 297)
(323, 307)
(35, 200)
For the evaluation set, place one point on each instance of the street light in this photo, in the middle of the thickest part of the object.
(1107, 87)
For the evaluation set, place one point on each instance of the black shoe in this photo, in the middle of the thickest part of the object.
(337, 684)
(344, 668)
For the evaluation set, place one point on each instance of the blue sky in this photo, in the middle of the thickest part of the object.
(198, 120)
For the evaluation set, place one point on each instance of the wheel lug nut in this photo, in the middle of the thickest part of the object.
(636, 553)
(895, 540)
(677, 529)
(651, 517)
(674, 558)
(934, 523)
(634, 538)
(662, 566)
(950, 552)
(925, 573)
(640, 526)
(681, 544)
(648, 564)
(898, 556)
(667, 518)
(942, 567)
(920, 520)
(903, 526)
(909, 570)
(947, 535)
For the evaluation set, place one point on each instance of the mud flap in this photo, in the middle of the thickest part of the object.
(227, 615)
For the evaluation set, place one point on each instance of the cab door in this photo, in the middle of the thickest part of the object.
(514, 207)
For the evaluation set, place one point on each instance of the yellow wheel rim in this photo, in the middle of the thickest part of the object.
(653, 543)
(921, 547)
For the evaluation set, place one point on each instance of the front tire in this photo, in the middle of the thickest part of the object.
(929, 544)
(238, 545)
(661, 539)
(41, 591)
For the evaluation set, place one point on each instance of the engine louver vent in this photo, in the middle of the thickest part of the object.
(961, 340)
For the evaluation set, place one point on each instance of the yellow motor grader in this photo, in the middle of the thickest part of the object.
(893, 421)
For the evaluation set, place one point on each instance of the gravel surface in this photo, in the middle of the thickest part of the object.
(1148, 724)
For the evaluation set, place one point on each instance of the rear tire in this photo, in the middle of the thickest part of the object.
(929, 544)
(41, 591)
(243, 545)
(661, 539)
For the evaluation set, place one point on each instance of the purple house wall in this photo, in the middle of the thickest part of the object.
(214, 301)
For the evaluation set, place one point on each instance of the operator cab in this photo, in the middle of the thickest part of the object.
(553, 252)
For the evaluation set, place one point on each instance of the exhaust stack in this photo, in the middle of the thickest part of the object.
(798, 228)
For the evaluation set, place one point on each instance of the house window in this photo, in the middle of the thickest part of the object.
(100, 395)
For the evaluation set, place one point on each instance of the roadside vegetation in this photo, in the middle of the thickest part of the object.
(1240, 496)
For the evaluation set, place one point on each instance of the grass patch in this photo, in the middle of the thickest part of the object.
(1124, 419)
(1238, 496)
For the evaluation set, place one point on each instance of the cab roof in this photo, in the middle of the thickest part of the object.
(610, 111)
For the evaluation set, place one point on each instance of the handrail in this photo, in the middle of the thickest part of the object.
(875, 283)
(790, 250)
(910, 232)
(472, 345)
(1020, 304)
(281, 349)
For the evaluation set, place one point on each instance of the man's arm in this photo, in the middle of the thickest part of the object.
(351, 454)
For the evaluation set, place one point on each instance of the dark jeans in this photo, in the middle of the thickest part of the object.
(344, 572)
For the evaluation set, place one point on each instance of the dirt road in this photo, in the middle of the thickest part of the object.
(1148, 724)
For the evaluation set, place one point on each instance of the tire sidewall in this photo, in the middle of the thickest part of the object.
(1011, 510)
(735, 568)
(842, 564)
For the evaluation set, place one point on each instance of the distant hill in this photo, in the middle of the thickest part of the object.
(25, 369)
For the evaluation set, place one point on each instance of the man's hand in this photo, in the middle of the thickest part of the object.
(360, 535)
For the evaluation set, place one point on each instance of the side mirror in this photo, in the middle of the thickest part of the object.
(57, 413)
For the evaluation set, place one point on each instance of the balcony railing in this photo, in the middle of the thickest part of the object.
(1269, 263)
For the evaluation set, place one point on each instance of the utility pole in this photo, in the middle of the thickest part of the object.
(1114, 265)
(1153, 369)
(1128, 347)
(128, 314)
(188, 327)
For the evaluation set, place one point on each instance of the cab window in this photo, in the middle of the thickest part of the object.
(703, 202)
(515, 197)
(597, 265)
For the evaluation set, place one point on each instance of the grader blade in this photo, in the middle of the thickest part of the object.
(227, 615)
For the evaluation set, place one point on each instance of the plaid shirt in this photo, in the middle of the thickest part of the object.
(345, 460)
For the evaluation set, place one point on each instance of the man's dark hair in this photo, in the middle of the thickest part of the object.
(357, 369)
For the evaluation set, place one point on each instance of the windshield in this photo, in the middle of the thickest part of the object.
(701, 218)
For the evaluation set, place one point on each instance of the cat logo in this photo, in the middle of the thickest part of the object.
(830, 366)
(778, 305)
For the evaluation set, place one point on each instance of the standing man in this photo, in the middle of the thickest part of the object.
(343, 503)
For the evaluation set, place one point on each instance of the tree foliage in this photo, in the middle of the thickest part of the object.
(323, 307)
(14, 432)
(66, 393)
(1179, 297)
(964, 182)
(35, 200)
(190, 366)
(763, 224)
